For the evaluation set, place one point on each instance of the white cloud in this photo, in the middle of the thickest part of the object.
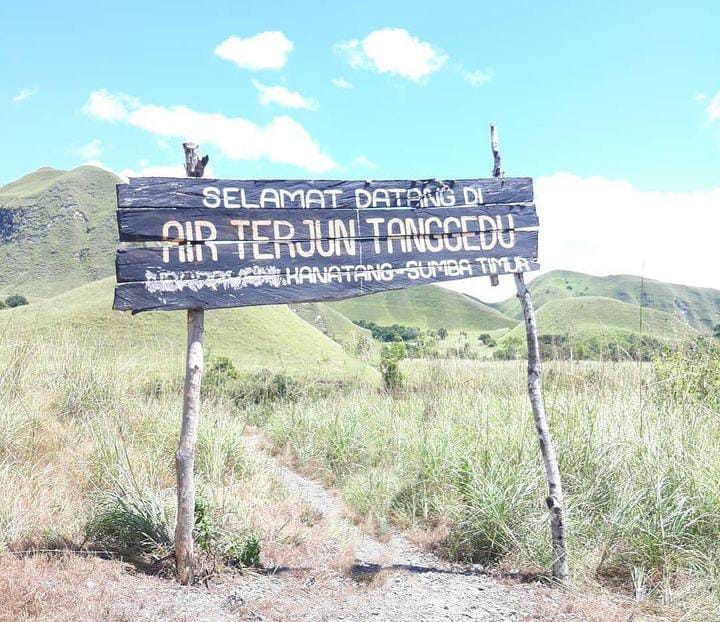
(602, 227)
(395, 51)
(477, 78)
(283, 97)
(265, 50)
(341, 83)
(364, 162)
(700, 97)
(283, 140)
(713, 110)
(109, 106)
(92, 150)
(24, 94)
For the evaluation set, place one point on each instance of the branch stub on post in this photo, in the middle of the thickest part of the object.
(194, 164)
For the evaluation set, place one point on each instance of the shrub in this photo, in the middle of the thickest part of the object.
(511, 348)
(204, 531)
(16, 300)
(220, 376)
(235, 549)
(396, 332)
(442, 332)
(222, 379)
(243, 550)
(390, 365)
(690, 374)
(131, 523)
(2, 305)
(423, 346)
(613, 347)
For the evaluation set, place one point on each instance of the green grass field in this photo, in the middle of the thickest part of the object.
(427, 307)
(256, 338)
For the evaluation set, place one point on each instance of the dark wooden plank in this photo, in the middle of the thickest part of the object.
(271, 193)
(199, 261)
(159, 224)
(268, 289)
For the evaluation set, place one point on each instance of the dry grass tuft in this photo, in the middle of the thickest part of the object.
(61, 587)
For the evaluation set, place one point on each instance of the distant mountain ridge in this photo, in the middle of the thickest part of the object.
(57, 230)
(698, 306)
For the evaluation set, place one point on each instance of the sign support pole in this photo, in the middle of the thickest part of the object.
(185, 455)
(554, 500)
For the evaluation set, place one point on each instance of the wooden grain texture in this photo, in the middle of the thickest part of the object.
(157, 224)
(189, 193)
(199, 260)
(555, 499)
(310, 285)
(185, 453)
(258, 242)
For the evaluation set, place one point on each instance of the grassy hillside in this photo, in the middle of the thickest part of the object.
(699, 307)
(329, 321)
(427, 307)
(33, 183)
(57, 230)
(256, 338)
(592, 315)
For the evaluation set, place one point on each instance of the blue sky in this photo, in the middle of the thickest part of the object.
(625, 92)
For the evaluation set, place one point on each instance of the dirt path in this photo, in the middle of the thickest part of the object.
(333, 572)
(393, 580)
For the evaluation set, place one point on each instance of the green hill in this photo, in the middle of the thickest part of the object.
(427, 307)
(254, 339)
(698, 306)
(57, 230)
(591, 316)
(329, 321)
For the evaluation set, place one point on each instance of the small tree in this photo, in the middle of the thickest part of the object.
(16, 300)
(442, 332)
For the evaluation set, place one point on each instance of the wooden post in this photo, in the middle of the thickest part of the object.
(497, 172)
(554, 499)
(185, 455)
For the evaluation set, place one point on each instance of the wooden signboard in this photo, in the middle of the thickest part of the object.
(201, 244)
(206, 244)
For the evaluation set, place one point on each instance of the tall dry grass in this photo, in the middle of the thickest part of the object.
(455, 456)
(87, 441)
(87, 449)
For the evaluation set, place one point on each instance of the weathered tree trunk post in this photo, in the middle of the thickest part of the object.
(554, 499)
(185, 455)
